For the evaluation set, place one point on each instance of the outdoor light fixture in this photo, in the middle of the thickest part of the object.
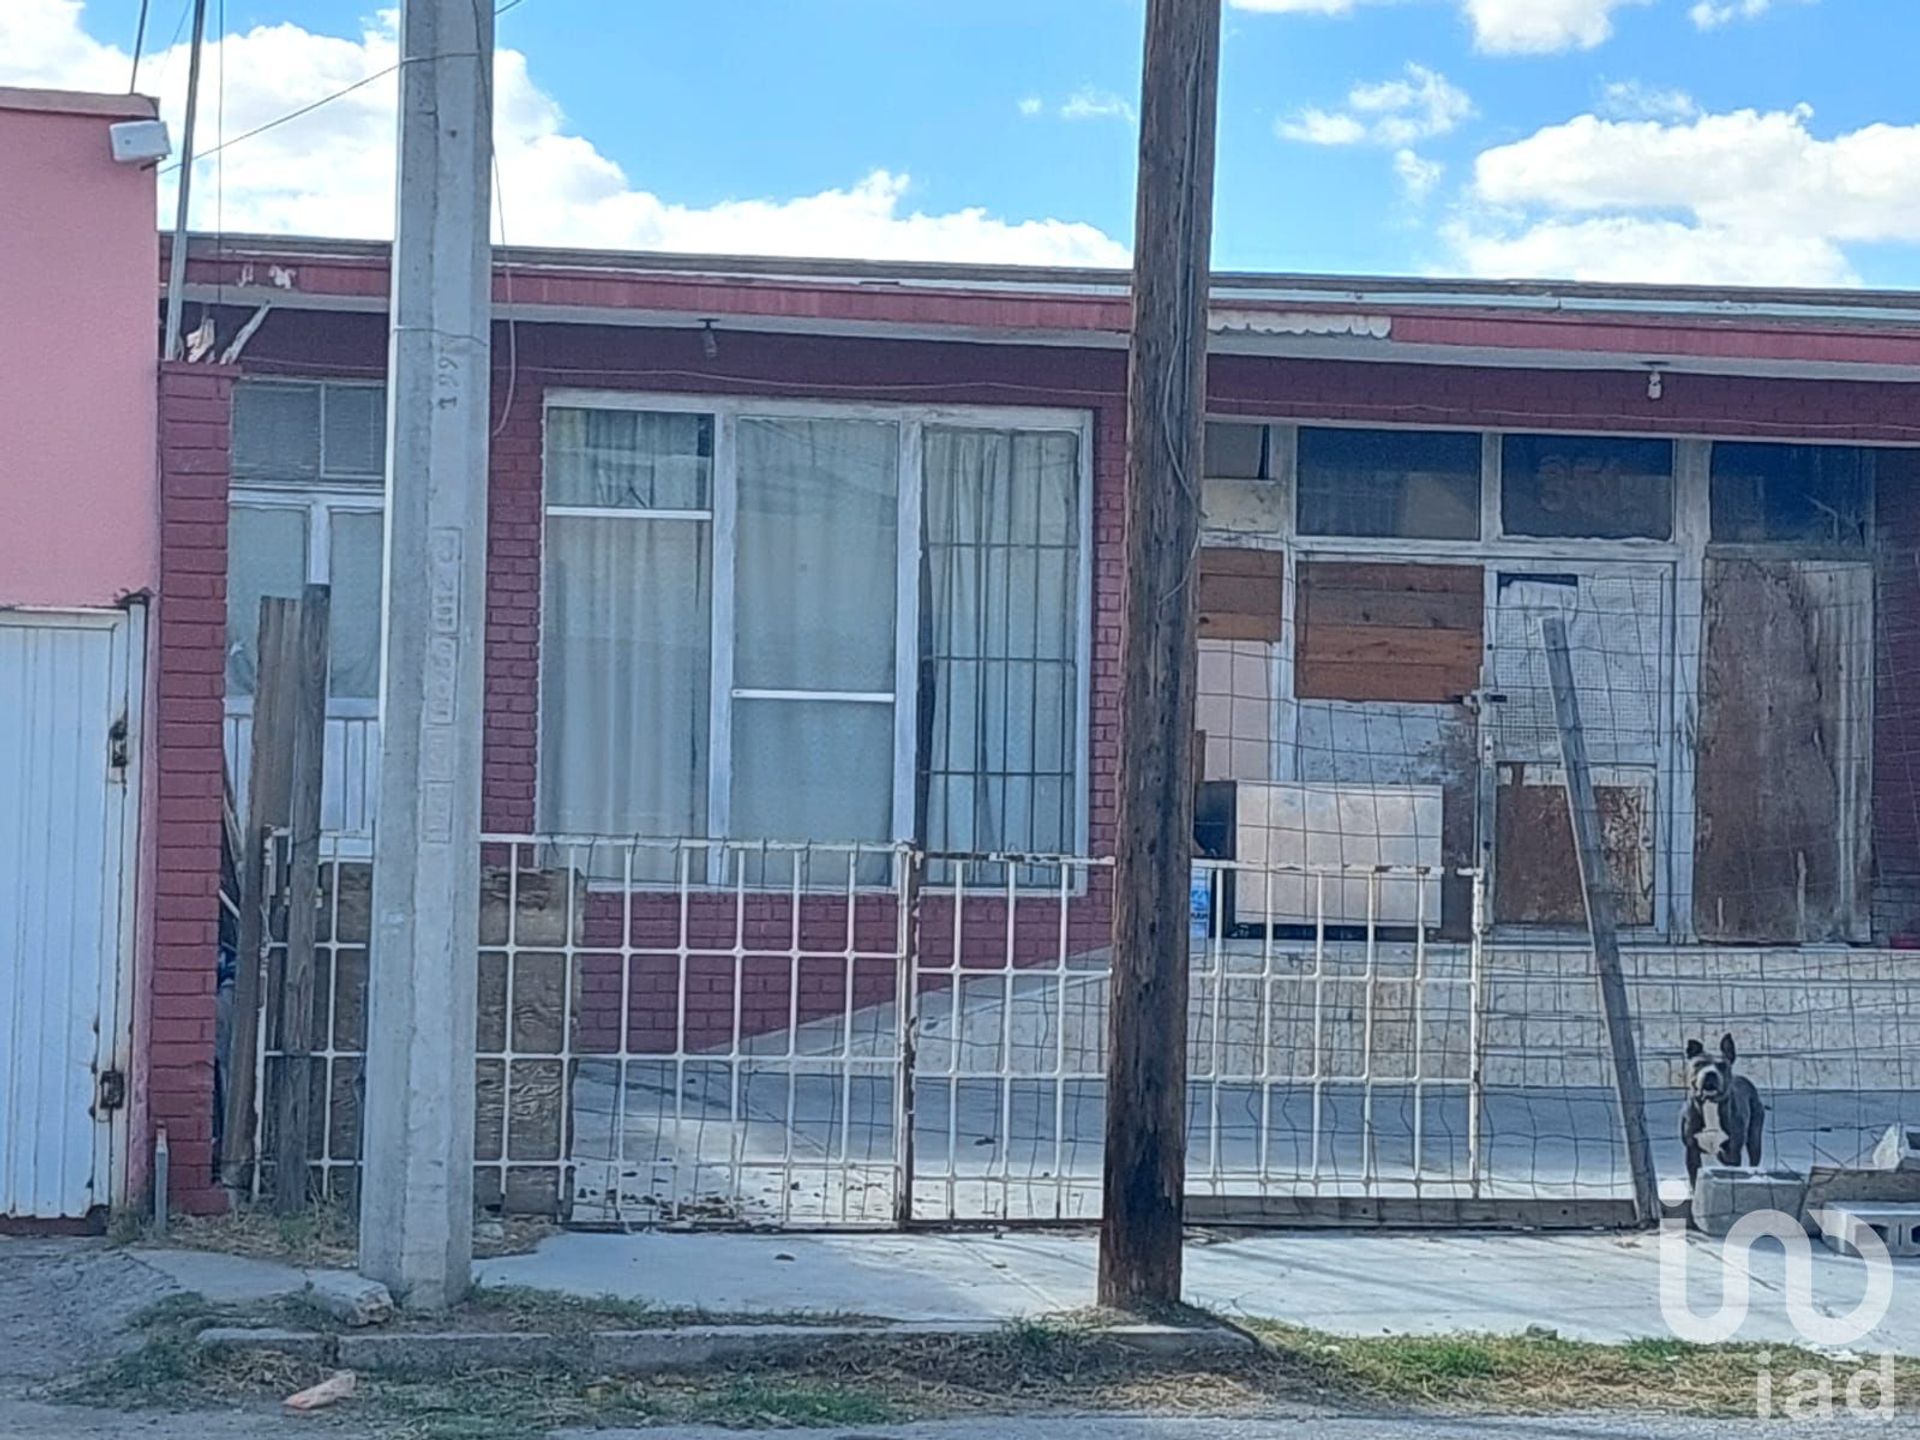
(140, 142)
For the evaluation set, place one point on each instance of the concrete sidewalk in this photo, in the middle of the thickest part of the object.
(1589, 1287)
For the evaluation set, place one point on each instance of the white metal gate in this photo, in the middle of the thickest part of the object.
(67, 745)
(731, 1033)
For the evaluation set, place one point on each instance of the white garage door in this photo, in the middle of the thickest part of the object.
(65, 753)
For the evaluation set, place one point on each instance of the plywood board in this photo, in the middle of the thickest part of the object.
(1782, 850)
(1239, 593)
(1536, 871)
(1394, 633)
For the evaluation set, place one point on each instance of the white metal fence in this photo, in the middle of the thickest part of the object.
(689, 1032)
(817, 1036)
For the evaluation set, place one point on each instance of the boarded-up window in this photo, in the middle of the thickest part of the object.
(1791, 494)
(1238, 494)
(1537, 870)
(1587, 487)
(1781, 844)
(1238, 451)
(1240, 593)
(1411, 484)
(1409, 633)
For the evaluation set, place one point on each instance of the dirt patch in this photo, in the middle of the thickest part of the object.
(1024, 1369)
(65, 1303)
(323, 1237)
(1540, 1373)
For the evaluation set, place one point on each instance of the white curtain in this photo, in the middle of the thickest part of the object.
(1000, 639)
(629, 459)
(815, 601)
(624, 663)
(353, 632)
(624, 677)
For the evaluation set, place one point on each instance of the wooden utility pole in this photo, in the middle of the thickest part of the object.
(294, 1111)
(1146, 1150)
(1596, 883)
(269, 776)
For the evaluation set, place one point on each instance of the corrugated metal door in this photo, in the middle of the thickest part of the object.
(66, 746)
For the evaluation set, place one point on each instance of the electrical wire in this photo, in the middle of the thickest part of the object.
(328, 99)
(139, 42)
(307, 109)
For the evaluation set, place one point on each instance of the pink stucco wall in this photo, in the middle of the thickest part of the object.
(79, 501)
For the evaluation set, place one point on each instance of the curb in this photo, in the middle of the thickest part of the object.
(297, 1344)
(684, 1349)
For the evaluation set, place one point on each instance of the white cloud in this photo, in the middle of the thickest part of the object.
(1627, 248)
(1390, 112)
(1510, 27)
(1536, 27)
(1087, 103)
(1418, 175)
(331, 172)
(1630, 100)
(1031, 105)
(1710, 14)
(1747, 196)
(1321, 127)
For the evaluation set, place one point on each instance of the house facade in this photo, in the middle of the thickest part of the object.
(833, 553)
(79, 568)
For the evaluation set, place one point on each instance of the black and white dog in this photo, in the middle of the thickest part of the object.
(1724, 1112)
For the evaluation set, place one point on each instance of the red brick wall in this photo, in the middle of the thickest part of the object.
(788, 366)
(176, 1062)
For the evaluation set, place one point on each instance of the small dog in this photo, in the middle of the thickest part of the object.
(1724, 1111)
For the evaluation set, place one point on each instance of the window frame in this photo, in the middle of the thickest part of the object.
(723, 519)
(322, 478)
(318, 506)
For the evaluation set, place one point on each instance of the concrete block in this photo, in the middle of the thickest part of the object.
(349, 1298)
(1843, 1227)
(1899, 1148)
(1724, 1193)
(300, 1344)
(448, 1353)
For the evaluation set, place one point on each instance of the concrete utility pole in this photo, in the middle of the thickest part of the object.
(1146, 1154)
(416, 1196)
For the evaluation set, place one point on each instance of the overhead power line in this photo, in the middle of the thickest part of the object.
(314, 105)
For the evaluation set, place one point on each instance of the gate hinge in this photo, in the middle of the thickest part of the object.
(113, 1090)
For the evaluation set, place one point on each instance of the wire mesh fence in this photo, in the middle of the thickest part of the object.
(837, 1051)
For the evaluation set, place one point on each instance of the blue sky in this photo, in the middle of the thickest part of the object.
(1655, 139)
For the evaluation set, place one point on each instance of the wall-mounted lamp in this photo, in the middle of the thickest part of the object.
(709, 342)
(139, 142)
(1656, 383)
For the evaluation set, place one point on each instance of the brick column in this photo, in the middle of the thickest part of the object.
(176, 1061)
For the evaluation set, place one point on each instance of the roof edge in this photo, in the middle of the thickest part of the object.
(1536, 295)
(78, 102)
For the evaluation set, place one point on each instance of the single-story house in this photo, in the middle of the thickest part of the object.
(793, 551)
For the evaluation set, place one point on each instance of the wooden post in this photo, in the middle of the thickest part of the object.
(1596, 883)
(269, 773)
(1145, 1174)
(293, 1113)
